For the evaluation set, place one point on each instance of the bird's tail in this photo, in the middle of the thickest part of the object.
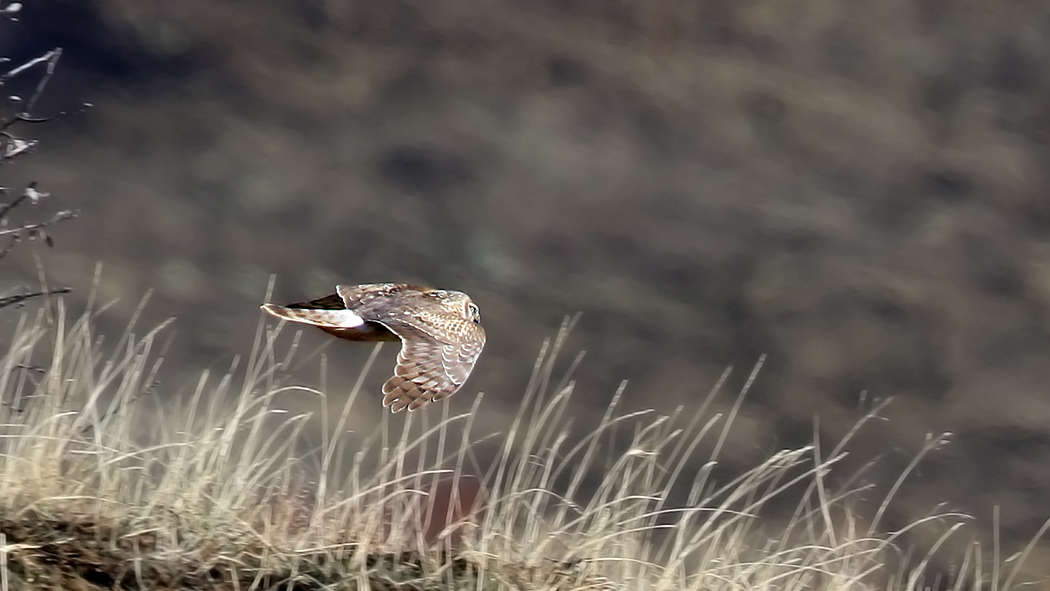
(315, 316)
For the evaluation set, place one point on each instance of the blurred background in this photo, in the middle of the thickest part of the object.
(857, 189)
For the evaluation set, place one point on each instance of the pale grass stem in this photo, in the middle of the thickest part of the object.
(225, 482)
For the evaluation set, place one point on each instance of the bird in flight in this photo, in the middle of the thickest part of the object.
(440, 333)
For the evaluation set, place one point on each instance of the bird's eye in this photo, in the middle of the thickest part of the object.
(474, 313)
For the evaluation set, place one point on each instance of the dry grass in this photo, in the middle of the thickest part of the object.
(100, 489)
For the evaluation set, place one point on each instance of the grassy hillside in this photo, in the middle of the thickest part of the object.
(102, 486)
(856, 188)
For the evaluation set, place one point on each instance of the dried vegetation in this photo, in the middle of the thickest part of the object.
(106, 485)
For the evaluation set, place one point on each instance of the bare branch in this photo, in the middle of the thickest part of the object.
(10, 246)
(12, 145)
(66, 214)
(47, 57)
(15, 147)
(18, 299)
(52, 61)
(6, 208)
(25, 118)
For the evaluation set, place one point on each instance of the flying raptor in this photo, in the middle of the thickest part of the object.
(440, 332)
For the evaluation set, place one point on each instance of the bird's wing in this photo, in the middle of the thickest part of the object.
(333, 315)
(458, 360)
(328, 302)
(372, 299)
(428, 369)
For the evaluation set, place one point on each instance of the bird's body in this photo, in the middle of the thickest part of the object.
(440, 333)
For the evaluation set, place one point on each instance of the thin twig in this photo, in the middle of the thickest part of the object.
(66, 214)
(37, 60)
(26, 118)
(5, 208)
(18, 299)
(52, 61)
(10, 246)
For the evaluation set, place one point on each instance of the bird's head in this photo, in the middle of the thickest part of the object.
(460, 304)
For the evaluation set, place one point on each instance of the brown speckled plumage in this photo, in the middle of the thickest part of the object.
(440, 333)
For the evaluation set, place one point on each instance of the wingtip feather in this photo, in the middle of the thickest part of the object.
(317, 317)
